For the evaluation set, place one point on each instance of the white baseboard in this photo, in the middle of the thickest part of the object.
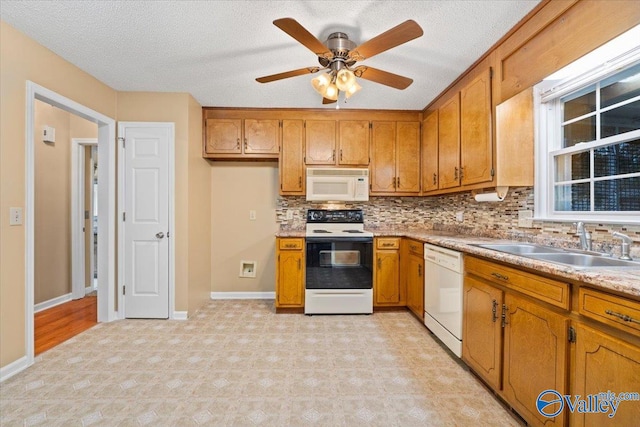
(179, 315)
(13, 368)
(89, 289)
(52, 302)
(243, 295)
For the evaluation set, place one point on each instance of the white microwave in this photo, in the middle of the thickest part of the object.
(337, 184)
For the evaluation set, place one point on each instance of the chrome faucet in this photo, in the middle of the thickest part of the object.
(626, 245)
(585, 236)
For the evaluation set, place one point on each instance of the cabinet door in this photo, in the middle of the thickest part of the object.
(415, 285)
(482, 331)
(383, 157)
(604, 363)
(292, 180)
(430, 152)
(223, 136)
(449, 144)
(320, 142)
(476, 147)
(387, 281)
(535, 357)
(290, 280)
(353, 143)
(261, 136)
(408, 157)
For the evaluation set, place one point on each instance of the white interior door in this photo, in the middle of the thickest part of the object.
(146, 219)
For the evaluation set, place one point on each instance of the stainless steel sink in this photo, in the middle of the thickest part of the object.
(585, 261)
(521, 248)
(570, 257)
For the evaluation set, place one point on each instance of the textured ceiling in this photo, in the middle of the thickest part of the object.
(215, 49)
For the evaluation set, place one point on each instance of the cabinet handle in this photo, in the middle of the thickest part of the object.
(341, 154)
(379, 263)
(398, 178)
(387, 244)
(624, 317)
(434, 178)
(413, 247)
(419, 270)
(504, 315)
(245, 144)
(238, 143)
(494, 311)
(290, 245)
(334, 155)
(500, 276)
(394, 182)
(299, 264)
(300, 181)
(455, 173)
(461, 172)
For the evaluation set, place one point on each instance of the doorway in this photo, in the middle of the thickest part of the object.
(106, 310)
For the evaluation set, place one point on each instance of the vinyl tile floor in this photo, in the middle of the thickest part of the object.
(237, 363)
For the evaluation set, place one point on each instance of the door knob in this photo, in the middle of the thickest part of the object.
(160, 235)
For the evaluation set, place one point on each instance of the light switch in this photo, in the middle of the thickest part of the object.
(252, 215)
(49, 134)
(15, 216)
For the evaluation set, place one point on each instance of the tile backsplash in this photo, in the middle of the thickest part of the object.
(499, 219)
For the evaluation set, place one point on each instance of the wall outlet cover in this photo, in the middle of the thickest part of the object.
(248, 268)
(525, 218)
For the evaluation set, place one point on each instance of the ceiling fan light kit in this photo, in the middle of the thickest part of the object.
(338, 54)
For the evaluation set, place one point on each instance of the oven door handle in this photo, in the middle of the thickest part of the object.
(339, 239)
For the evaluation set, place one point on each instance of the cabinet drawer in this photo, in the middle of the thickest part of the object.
(547, 290)
(388, 243)
(610, 309)
(416, 248)
(291, 244)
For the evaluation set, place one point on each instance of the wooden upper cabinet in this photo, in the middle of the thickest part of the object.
(430, 152)
(242, 138)
(223, 136)
(449, 143)
(515, 140)
(292, 179)
(476, 148)
(320, 142)
(353, 143)
(408, 157)
(261, 136)
(383, 157)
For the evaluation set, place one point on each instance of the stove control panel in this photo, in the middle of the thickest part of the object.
(335, 216)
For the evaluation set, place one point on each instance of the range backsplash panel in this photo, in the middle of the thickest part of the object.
(498, 220)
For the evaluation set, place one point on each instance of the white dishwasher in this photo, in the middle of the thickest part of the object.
(443, 295)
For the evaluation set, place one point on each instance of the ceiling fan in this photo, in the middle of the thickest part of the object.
(339, 55)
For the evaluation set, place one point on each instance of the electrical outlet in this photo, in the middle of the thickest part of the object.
(252, 215)
(289, 214)
(460, 216)
(525, 219)
(15, 216)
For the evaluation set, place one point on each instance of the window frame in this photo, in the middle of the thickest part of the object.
(548, 141)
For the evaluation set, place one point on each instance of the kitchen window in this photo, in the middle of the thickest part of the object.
(588, 145)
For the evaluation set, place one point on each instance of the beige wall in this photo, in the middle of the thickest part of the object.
(191, 191)
(22, 59)
(237, 188)
(52, 276)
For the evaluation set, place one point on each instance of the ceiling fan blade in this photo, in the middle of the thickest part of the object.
(298, 32)
(287, 74)
(383, 77)
(396, 36)
(328, 101)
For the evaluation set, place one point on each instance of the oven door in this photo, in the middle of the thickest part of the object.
(339, 263)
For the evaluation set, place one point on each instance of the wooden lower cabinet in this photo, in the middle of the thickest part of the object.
(290, 272)
(412, 275)
(517, 345)
(482, 330)
(387, 290)
(535, 357)
(605, 363)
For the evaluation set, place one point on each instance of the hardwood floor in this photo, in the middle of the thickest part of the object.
(58, 324)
